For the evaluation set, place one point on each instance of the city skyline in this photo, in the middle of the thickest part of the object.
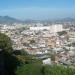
(38, 9)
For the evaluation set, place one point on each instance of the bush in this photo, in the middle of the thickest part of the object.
(29, 69)
(35, 69)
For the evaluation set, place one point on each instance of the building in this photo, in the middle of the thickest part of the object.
(47, 61)
(52, 28)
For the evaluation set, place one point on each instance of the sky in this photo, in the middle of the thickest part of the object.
(37, 9)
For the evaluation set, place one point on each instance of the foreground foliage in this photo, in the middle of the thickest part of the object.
(8, 62)
(35, 69)
(5, 43)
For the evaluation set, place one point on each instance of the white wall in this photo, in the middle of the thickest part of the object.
(47, 61)
(52, 28)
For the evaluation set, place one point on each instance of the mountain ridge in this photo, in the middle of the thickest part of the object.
(11, 20)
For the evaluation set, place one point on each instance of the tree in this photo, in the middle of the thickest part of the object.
(8, 62)
(5, 43)
(62, 33)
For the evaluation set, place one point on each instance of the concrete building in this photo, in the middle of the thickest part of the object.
(52, 28)
(47, 61)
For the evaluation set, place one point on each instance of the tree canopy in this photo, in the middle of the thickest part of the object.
(5, 43)
(32, 69)
(62, 33)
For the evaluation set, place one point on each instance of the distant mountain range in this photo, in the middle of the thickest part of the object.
(67, 19)
(11, 20)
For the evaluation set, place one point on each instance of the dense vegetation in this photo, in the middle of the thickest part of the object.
(8, 62)
(35, 69)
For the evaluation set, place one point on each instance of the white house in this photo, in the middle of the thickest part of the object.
(47, 61)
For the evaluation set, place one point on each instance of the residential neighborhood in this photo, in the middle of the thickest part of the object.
(45, 42)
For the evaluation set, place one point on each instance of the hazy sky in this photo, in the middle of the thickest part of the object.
(37, 9)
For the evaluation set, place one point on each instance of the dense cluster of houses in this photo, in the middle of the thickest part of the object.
(43, 40)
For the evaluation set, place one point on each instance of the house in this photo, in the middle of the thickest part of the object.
(47, 61)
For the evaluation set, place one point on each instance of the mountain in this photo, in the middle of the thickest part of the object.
(9, 20)
(68, 19)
